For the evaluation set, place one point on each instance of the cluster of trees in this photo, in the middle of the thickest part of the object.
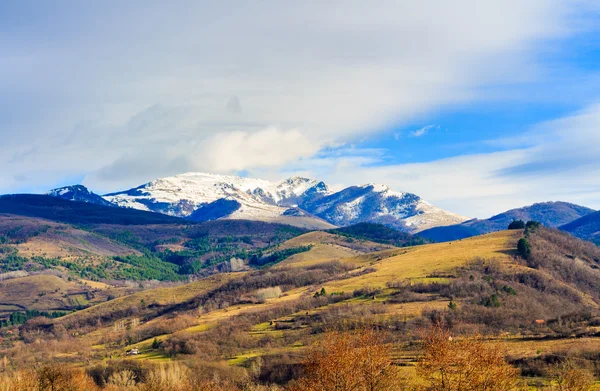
(18, 318)
(379, 233)
(531, 225)
(271, 259)
(523, 246)
(202, 251)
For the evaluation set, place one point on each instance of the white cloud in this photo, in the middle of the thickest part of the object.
(559, 162)
(125, 92)
(424, 130)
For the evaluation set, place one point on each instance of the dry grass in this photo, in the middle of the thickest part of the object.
(44, 292)
(158, 296)
(327, 247)
(422, 261)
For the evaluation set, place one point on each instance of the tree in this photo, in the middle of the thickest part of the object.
(524, 248)
(352, 361)
(517, 224)
(466, 364)
(571, 378)
(532, 225)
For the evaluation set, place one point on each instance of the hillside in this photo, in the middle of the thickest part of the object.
(379, 233)
(550, 214)
(113, 256)
(538, 305)
(586, 227)
(74, 212)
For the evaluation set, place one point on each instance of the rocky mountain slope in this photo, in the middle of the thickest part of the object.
(550, 214)
(78, 193)
(378, 204)
(298, 201)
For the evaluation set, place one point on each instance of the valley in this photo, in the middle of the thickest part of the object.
(238, 313)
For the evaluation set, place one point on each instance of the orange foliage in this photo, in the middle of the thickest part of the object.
(464, 365)
(354, 361)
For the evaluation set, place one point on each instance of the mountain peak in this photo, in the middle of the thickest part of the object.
(377, 187)
(78, 193)
(205, 196)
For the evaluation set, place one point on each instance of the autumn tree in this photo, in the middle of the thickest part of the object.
(350, 361)
(466, 364)
(570, 377)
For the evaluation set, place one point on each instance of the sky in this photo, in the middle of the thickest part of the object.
(476, 106)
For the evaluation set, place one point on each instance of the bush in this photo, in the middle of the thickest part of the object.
(517, 224)
(532, 226)
(524, 248)
(264, 294)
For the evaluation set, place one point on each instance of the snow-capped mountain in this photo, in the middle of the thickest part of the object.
(376, 203)
(297, 201)
(79, 193)
(201, 196)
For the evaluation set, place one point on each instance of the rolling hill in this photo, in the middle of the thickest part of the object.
(550, 214)
(544, 306)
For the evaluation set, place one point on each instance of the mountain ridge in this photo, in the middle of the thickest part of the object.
(586, 227)
(551, 214)
(297, 200)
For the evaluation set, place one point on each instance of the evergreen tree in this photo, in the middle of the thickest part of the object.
(517, 224)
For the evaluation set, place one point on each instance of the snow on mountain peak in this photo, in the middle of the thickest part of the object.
(199, 196)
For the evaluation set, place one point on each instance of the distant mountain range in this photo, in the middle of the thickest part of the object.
(550, 214)
(310, 204)
(586, 227)
(297, 201)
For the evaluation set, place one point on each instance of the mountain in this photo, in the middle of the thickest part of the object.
(586, 227)
(376, 203)
(203, 197)
(550, 214)
(296, 201)
(75, 212)
(79, 193)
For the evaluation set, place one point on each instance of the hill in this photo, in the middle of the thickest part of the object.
(586, 227)
(136, 251)
(379, 233)
(550, 214)
(544, 306)
(75, 212)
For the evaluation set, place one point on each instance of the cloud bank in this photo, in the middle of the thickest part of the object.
(116, 93)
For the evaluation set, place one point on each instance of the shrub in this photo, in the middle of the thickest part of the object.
(517, 224)
(532, 225)
(524, 248)
(264, 294)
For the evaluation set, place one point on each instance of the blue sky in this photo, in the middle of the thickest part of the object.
(476, 106)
